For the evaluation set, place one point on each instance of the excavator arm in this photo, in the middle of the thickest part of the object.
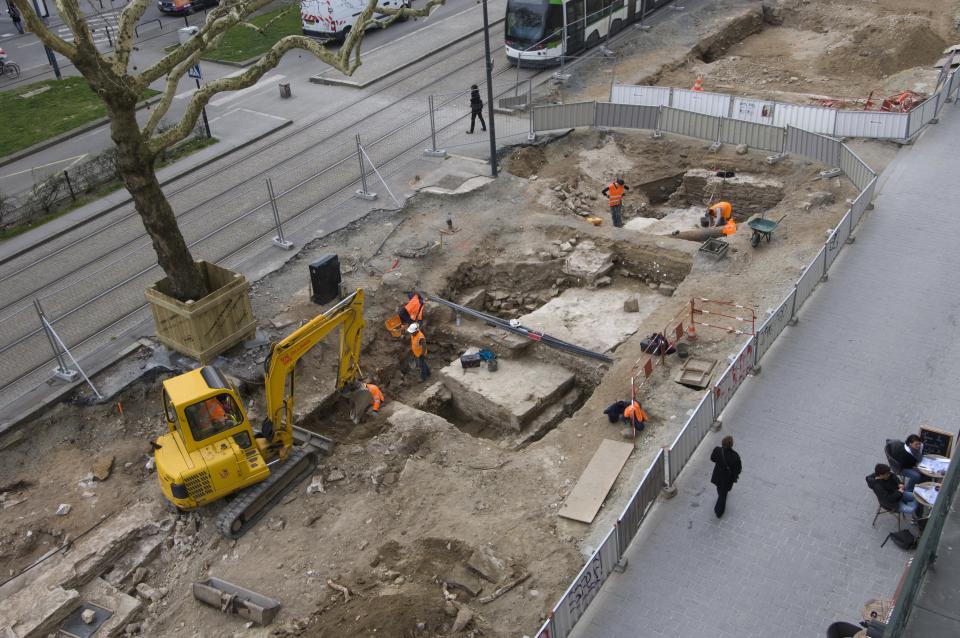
(280, 364)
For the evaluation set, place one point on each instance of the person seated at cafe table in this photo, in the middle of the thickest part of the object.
(890, 493)
(908, 454)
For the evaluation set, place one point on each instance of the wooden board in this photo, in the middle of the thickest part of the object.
(591, 489)
(936, 441)
(696, 373)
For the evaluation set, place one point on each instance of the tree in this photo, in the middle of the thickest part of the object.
(111, 78)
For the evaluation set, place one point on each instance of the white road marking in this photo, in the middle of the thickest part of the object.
(30, 44)
(260, 85)
(75, 159)
(275, 117)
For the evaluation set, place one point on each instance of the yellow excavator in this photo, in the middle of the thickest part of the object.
(211, 450)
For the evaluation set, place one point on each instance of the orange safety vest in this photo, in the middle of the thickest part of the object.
(414, 308)
(635, 413)
(730, 227)
(615, 193)
(215, 410)
(418, 343)
(376, 394)
(722, 209)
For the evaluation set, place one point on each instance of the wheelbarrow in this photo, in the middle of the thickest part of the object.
(762, 229)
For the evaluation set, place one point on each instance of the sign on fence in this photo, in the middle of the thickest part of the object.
(586, 586)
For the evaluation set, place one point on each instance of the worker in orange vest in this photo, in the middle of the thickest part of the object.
(730, 228)
(614, 191)
(635, 417)
(418, 344)
(375, 394)
(412, 311)
(719, 213)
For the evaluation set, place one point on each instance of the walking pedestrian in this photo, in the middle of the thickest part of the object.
(726, 471)
(16, 17)
(614, 191)
(476, 109)
(418, 345)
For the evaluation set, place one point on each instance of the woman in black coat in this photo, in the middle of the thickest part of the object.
(726, 471)
(476, 109)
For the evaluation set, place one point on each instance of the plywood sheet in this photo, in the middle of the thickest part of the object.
(591, 489)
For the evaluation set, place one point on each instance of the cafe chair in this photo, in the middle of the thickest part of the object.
(883, 510)
(892, 462)
(843, 630)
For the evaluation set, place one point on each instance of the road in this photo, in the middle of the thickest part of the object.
(93, 277)
(20, 176)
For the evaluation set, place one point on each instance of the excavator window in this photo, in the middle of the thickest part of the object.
(212, 416)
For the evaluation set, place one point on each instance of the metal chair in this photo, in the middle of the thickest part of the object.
(843, 630)
(895, 467)
(883, 510)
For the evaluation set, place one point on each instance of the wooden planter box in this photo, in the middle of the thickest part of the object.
(203, 329)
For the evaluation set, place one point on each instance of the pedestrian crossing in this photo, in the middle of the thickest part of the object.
(102, 24)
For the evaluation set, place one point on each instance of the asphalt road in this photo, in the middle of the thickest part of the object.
(94, 276)
(20, 176)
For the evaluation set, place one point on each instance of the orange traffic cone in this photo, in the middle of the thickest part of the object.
(698, 84)
(691, 333)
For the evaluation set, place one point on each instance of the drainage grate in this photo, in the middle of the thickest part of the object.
(74, 627)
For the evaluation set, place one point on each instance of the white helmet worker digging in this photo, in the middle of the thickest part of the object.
(413, 328)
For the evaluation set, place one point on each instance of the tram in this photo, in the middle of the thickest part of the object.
(539, 32)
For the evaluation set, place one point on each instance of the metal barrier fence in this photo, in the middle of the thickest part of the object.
(558, 116)
(733, 376)
(862, 203)
(687, 123)
(813, 145)
(686, 442)
(836, 240)
(754, 135)
(640, 502)
(778, 320)
(810, 278)
(627, 115)
(926, 552)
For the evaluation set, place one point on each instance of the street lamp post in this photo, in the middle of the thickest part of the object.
(489, 62)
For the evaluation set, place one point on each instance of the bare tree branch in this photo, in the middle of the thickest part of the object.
(126, 26)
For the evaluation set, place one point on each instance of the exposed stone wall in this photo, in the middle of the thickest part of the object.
(749, 194)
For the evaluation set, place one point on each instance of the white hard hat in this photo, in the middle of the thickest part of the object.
(413, 328)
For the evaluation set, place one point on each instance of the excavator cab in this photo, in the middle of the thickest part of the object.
(209, 450)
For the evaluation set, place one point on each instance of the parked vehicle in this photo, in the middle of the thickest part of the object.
(183, 7)
(539, 32)
(333, 19)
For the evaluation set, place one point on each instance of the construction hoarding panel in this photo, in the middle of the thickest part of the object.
(809, 279)
(560, 116)
(862, 202)
(641, 501)
(759, 136)
(689, 124)
(585, 586)
(809, 118)
(929, 108)
(837, 239)
(872, 124)
(778, 320)
(855, 168)
(915, 122)
(640, 95)
(716, 104)
(750, 110)
(812, 146)
(690, 436)
(733, 377)
(627, 115)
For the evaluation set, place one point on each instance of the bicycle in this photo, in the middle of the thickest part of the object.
(9, 69)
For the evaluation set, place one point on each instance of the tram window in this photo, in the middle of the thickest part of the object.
(594, 7)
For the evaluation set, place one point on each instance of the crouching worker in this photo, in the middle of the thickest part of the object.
(635, 418)
(365, 399)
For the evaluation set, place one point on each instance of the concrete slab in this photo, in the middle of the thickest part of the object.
(676, 219)
(511, 397)
(593, 318)
(26, 614)
(588, 263)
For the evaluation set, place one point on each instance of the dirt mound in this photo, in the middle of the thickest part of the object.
(526, 161)
(883, 46)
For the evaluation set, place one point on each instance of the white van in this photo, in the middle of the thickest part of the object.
(335, 18)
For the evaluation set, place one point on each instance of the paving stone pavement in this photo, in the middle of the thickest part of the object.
(875, 355)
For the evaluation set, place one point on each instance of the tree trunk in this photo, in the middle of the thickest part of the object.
(139, 175)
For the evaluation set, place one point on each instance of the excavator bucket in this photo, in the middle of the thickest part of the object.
(233, 599)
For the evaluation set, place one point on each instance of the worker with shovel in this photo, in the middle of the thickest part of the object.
(719, 213)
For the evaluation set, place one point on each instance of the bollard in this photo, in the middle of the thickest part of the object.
(280, 241)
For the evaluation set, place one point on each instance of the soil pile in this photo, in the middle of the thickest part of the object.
(883, 46)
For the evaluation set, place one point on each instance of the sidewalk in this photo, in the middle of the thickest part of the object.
(876, 354)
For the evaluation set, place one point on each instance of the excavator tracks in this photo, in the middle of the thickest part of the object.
(251, 504)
